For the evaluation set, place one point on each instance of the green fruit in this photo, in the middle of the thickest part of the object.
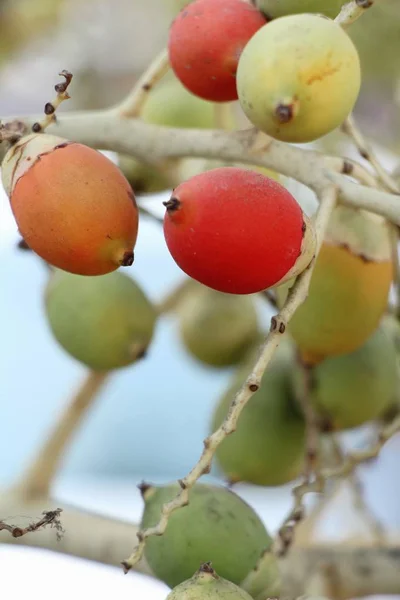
(207, 585)
(171, 105)
(193, 166)
(355, 388)
(218, 329)
(264, 581)
(216, 526)
(105, 322)
(281, 8)
(299, 77)
(144, 178)
(267, 447)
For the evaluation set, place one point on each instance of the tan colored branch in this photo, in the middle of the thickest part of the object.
(133, 104)
(349, 571)
(357, 570)
(364, 148)
(50, 517)
(346, 467)
(106, 131)
(86, 535)
(39, 477)
(297, 295)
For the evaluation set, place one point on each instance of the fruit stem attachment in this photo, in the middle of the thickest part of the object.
(38, 479)
(127, 259)
(51, 107)
(133, 104)
(296, 297)
(172, 205)
(351, 11)
(286, 111)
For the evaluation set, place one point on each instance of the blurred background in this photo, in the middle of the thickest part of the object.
(151, 418)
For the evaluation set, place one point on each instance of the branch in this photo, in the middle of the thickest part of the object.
(105, 130)
(133, 104)
(37, 481)
(348, 465)
(86, 535)
(358, 570)
(352, 571)
(364, 148)
(50, 517)
(296, 296)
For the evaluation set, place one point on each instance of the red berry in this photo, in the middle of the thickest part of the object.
(205, 43)
(237, 231)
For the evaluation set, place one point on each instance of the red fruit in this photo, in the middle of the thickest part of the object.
(205, 43)
(72, 205)
(237, 231)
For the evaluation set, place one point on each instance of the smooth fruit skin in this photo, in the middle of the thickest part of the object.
(299, 77)
(144, 178)
(216, 526)
(72, 205)
(353, 389)
(218, 329)
(349, 287)
(265, 580)
(207, 585)
(237, 231)
(170, 104)
(280, 8)
(105, 322)
(205, 42)
(269, 442)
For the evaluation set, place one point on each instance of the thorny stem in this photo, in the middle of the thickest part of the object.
(51, 107)
(296, 297)
(359, 500)
(50, 517)
(133, 104)
(38, 479)
(348, 465)
(312, 425)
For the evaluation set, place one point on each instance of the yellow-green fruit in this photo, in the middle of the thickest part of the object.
(105, 322)
(264, 581)
(268, 445)
(299, 77)
(218, 329)
(355, 388)
(349, 287)
(216, 526)
(170, 104)
(193, 166)
(280, 8)
(207, 585)
(144, 178)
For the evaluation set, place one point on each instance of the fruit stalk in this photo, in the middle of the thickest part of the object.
(296, 296)
(133, 104)
(39, 477)
(344, 469)
(350, 128)
(352, 11)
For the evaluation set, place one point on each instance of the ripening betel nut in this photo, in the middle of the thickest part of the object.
(237, 231)
(72, 205)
